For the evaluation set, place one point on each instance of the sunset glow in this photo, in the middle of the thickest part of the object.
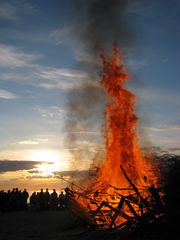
(45, 155)
(52, 161)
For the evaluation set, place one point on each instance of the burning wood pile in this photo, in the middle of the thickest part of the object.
(125, 195)
(125, 210)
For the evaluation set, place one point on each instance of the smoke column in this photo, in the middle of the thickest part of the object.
(104, 23)
(99, 24)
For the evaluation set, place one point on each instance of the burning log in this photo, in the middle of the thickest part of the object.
(113, 218)
(126, 217)
(135, 189)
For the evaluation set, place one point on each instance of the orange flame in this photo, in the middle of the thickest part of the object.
(120, 131)
(122, 146)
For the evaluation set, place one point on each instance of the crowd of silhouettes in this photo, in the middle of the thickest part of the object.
(17, 200)
(13, 200)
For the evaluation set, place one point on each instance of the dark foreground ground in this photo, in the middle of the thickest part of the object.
(50, 225)
(63, 225)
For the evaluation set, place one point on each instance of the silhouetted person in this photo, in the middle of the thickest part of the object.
(61, 200)
(54, 200)
(3, 201)
(33, 202)
(24, 196)
(46, 199)
(38, 201)
(42, 200)
(67, 197)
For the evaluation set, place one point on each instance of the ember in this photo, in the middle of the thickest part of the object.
(125, 190)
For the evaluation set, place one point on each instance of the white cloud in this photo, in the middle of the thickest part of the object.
(7, 95)
(18, 75)
(28, 142)
(60, 78)
(164, 128)
(11, 56)
(84, 56)
(51, 112)
(47, 85)
(19, 66)
(43, 139)
(56, 74)
(154, 129)
(158, 96)
(33, 142)
(59, 35)
(83, 132)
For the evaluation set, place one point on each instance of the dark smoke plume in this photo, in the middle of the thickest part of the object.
(99, 24)
(102, 23)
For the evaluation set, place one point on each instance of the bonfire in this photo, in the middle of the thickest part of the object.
(125, 193)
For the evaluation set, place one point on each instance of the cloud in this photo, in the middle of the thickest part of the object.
(43, 139)
(60, 78)
(135, 65)
(83, 132)
(71, 173)
(138, 7)
(174, 150)
(8, 11)
(158, 96)
(7, 95)
(20, 66)
(59, 35)
(51, 112)
(48, 86)
(13, 10)
(142, 8)
(153, 9)
(14, 57)
(28, 142)
(85, 57)
(14, 165)
(164, 128)
(35, 174)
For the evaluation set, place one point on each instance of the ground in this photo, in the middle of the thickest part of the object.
(50, 225)
(44, 225)
(63, 225)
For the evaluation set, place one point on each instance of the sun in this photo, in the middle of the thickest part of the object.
(52, 161)
(45, 156)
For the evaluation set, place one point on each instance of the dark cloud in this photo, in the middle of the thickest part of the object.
(15, 165)
(72, 174)
(33, 171)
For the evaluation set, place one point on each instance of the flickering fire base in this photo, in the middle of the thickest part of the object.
(132, 212)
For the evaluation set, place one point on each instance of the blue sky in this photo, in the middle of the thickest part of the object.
(39, 63)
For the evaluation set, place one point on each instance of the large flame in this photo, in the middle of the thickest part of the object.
(122, 146)
(123, 155)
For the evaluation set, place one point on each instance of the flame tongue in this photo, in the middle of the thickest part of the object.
(120, 133)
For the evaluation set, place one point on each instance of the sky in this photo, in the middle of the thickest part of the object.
(42, 61)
